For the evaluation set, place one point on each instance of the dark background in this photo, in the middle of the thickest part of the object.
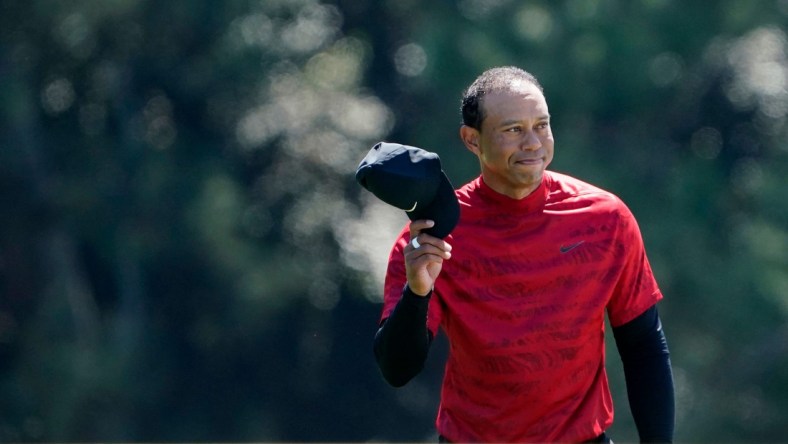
(185, 255)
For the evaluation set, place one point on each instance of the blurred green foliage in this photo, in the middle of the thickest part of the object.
(185, 256)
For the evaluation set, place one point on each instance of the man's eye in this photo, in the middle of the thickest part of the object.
(514, 129)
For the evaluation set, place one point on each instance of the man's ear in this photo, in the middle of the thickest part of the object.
(470, 137)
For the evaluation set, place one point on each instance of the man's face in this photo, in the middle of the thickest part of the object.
(515, 143)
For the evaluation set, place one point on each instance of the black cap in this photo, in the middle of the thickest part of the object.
(412, 180)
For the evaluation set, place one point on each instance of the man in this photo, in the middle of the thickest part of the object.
(521, 288)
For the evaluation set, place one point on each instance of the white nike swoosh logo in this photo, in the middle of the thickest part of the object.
(414, 207)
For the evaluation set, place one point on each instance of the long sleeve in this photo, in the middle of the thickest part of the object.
(402, 342)
(649, 377)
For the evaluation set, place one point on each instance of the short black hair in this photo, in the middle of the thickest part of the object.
(494, 79)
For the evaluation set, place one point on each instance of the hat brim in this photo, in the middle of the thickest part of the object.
(444, 210)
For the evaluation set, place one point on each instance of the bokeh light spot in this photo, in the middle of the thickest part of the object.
(410, 60)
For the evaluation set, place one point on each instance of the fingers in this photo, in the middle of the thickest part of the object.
(424, 244)
(436, 250)
(417, 226)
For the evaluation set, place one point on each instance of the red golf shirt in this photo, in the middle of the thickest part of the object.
(522, 302)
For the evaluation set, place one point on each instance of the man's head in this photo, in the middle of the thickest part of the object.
(506, 123)
(492, 80)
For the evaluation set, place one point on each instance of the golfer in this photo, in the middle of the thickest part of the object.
(521, 288)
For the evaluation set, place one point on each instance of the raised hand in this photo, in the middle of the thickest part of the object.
(424, 257)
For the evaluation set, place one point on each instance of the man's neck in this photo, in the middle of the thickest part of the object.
(514, 192)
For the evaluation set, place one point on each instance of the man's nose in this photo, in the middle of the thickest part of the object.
(530, 141)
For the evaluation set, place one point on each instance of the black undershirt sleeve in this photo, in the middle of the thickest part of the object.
(403, 339)
(647, 370)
